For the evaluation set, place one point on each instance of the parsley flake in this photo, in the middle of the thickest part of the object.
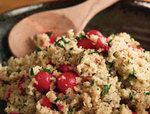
(110, 43)
(56, 100)
(31, 71)
(60, 41)
(81, 36)
(38, 50)
(66, 97)
(132, 76)
(46, 70)
(106, 89)
(147, 93)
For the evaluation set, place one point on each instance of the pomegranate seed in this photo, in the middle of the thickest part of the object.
(85, 43)
(42, 82)
(99, 45)
(66, 80)
(53, 38)
(45, 102)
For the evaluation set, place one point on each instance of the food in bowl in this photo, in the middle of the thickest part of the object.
(78, 74)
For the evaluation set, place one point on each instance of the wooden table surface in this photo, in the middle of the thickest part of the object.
(6, 5)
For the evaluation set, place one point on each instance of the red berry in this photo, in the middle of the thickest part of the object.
(88, 44)
(94, 32)
(134, 113)
(45, 102)
(85, 43)
(13, 113)
(66, 80)
(59, 106)
(65, 68)
(42, 82)
(100, 44)
(52, 38)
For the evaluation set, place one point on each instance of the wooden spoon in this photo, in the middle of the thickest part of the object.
(58, 21)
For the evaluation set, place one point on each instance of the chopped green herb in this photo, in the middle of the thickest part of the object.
(66, 97)
(31, 71)
(81, 36)
(106, 89)
(64, 40)
(132, 76)
(46, 70)
(92, 83)
(58, 43)
(54, 107)
(49, 33)
(109, 43)
(56, 100)
(130, 96)
(38, 50)
(147, 93)
(71, 110)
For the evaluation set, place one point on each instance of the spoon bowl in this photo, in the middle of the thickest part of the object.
(57, 21)
(35, 24)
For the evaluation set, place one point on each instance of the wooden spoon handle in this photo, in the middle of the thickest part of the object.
(82, 13)
(6, 5)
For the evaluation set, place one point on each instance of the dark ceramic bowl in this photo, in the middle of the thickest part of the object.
(121, 17)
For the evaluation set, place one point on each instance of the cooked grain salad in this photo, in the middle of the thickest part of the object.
(78, 74)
